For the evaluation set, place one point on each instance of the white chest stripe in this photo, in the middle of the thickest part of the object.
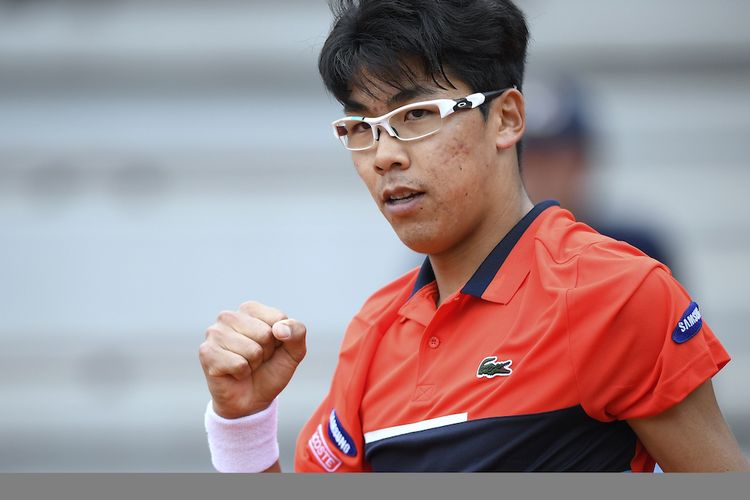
(372, 436)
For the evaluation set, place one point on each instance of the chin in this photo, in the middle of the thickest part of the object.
(420, 241)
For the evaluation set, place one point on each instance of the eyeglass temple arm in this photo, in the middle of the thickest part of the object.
(476, 100)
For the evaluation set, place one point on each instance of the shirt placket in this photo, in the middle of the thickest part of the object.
(432, 349)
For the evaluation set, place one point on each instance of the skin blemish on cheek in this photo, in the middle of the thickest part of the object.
(455, 152)
(460, 150)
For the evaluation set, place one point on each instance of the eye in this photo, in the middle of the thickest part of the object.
(360, 128)
(418, 114)
(341, 130)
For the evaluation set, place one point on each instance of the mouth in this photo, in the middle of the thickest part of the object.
(400, 196)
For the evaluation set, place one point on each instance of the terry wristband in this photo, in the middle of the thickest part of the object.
(246, 444)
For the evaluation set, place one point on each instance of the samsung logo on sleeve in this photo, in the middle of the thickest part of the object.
(340, 437)
(690, 323)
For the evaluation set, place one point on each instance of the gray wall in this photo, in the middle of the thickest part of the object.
(146, 184)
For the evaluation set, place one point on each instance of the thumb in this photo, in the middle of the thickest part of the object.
(292, 334)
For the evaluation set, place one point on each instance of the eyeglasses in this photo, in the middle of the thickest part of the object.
(407, 123)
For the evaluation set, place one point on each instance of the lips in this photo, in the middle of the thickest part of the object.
(400, 194)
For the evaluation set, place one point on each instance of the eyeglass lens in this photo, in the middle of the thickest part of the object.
(409, 123)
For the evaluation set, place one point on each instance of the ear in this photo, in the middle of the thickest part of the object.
(509, 118)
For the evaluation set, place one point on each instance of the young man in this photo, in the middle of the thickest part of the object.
(526, 341)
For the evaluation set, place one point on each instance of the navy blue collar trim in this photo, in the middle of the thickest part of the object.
(488, 269)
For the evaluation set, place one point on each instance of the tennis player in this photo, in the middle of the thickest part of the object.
(526, 341)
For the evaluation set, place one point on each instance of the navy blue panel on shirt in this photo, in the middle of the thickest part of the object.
(564, 440)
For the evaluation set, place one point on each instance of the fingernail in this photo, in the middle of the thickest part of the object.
(283, 331)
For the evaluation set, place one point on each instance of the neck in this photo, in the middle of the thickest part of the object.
(455, 266)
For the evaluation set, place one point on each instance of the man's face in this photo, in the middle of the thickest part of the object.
(436, 192)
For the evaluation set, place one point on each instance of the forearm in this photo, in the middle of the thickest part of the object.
(692, 436)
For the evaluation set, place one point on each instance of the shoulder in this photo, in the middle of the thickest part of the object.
(596, 275)
(611, 263)
(565, 238)
(583, 258)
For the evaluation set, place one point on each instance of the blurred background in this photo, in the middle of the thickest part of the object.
(145, 186)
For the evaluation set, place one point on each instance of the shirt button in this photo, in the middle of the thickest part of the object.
(434, 342)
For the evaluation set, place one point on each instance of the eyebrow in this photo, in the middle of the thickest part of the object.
(399, 98)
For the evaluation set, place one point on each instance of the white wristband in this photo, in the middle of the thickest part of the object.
(245, 444)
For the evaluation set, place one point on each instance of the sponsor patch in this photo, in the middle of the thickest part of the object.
(322, 452)
(690, 323)
(491, 367)
(339, 436)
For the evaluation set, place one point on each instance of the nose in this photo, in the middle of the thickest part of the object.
(389, 153)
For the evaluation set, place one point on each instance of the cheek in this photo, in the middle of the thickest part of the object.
(367, 174)
(457, 167)
(450, 155)
(457, 153)
(462, 152)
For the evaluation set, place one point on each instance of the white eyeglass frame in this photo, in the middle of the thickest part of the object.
(446, 107)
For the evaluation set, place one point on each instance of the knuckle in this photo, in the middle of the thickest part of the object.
(208, 360)
(258, 310)
(298, 326)
(250, 305)
(257, 331)
(204, 351)
(225, 316)
(255, 354)
(239, 367)
(280, 315)
(264, 331)
(213, 332)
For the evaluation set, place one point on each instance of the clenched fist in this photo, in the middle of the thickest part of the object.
(249, 356)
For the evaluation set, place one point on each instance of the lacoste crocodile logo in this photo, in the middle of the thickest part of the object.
(490, 367)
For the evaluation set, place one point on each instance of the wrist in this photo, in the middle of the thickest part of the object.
(245, 444)
(229, 414)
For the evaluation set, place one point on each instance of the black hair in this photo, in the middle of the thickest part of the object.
(376, 42)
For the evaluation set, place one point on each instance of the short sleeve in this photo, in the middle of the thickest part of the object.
(331, 440)
(637, 344)
(313, 452)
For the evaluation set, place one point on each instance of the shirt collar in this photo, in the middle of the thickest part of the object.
(479, 284)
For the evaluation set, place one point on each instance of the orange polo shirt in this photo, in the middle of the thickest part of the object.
(560, 336)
